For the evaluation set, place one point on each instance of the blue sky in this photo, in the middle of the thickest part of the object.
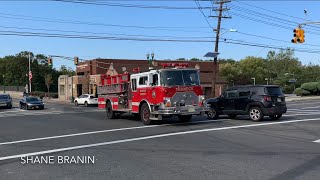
(191, 24)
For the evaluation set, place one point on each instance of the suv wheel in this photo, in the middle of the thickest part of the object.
(275, 117)
(255, 114)
(213, 114)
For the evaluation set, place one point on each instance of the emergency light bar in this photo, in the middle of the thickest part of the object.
(164, 65)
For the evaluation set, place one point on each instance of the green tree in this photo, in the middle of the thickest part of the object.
(195, 59)
(48, 81)
(241, 72)
(66, 71)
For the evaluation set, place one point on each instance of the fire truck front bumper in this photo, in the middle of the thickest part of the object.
(183, 110)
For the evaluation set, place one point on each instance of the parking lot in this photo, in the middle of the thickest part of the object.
(288, 148)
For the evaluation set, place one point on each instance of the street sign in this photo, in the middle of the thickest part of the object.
(292, 80)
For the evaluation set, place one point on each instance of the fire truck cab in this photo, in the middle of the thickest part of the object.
(173, 90)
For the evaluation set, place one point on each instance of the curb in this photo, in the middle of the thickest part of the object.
(303, 98)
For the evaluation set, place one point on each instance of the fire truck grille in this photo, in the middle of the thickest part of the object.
(184, 98)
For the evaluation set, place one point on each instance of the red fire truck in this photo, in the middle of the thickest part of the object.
(172, 90)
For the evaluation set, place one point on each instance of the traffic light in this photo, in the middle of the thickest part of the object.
(298, 36)
(301, 39)
(76, 60)
(49, 61)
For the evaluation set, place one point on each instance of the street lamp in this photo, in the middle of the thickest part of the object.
(294, 80)
(267, 80)
(229, 30)
(148, 56)
(254, 81)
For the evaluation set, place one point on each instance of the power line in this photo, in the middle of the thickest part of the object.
(266, 16)
(51, 20)
(129, 5)
(232, 41)
(137, 35)
(273, 39)
(199, 7)
(95, 33)
(268, 23)
(275, 12)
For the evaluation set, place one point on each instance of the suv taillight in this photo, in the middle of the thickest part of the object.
(267, 98)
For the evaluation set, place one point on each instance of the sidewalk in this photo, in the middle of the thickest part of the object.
(57, 101)
(293, 97)
(18, 95)
(14, 94)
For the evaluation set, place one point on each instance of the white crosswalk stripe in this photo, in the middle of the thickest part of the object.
(15, 112)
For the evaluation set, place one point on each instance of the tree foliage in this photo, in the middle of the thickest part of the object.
(48, 81)
(277, 68)
(15, 70)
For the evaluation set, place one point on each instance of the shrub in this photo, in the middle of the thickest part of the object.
(310, 86)
(318, 86)
(301, 92)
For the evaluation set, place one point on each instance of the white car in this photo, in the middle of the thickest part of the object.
(86, 99)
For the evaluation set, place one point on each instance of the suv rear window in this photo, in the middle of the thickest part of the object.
(273, 91)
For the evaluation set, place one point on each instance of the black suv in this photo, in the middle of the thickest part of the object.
(256, 101)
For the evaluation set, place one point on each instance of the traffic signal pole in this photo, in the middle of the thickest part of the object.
(299, 32)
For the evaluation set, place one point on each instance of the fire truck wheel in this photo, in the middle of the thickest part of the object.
(110, 113)
(185, 118)
(145, 114)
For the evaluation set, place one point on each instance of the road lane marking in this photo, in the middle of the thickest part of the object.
(26, 114)
(317, 141)
(148, 137)
(293, 104)
(103, 131)
(303, 110)
(303, 114)
(311, 107)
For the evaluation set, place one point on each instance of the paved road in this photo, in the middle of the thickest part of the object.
(125, 149)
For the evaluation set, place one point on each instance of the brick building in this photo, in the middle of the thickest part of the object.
(88, 75)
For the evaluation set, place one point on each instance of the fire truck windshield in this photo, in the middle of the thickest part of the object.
(179, 78)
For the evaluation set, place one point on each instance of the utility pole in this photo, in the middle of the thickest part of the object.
(29, 73)
(216, 48)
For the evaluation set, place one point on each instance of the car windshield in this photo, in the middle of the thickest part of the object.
(273, 91)
(4, 97)
(32, 99)
(179, 78)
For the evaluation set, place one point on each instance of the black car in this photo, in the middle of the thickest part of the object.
(31, 102)
(256, 101)
(5, 100)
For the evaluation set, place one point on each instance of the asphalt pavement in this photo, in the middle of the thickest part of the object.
(124, 148)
